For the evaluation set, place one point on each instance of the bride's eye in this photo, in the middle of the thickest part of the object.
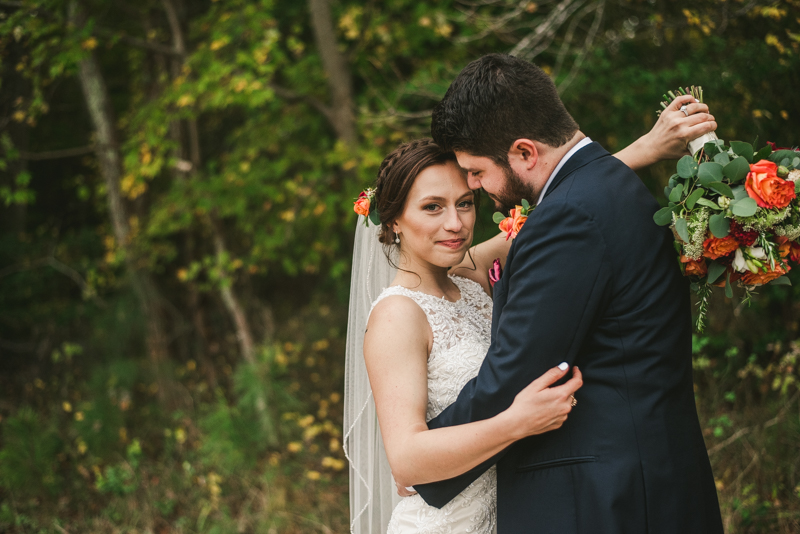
(431, 207)
(466, 204)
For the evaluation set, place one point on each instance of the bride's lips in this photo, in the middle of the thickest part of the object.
(452, 243)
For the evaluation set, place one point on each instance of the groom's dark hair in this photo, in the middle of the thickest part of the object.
(496, 100)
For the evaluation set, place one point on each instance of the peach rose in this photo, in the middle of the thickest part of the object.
(766, 188)
(512, 224)
(789, 248)
(714, 247)
(361, 206)
(694, 267)
(761, 278)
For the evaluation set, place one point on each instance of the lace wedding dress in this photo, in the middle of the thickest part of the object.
(461, 337)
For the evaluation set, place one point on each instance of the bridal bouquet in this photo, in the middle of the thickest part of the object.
(735, 215)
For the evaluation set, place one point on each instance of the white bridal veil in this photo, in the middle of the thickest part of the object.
(372, 491)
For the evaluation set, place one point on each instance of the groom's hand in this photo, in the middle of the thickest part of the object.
(542, 407)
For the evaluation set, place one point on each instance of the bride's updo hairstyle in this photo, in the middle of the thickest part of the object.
(396, 177)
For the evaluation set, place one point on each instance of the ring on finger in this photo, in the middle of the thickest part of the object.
(683, 108)
(573, 402)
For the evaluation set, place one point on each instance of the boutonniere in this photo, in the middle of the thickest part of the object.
(495, 272)
(364, 206)
(512, 224)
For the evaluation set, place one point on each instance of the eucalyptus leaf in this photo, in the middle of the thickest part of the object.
(498, 217)
(781, 281)
(682, 228)
(719, 225)
(692, 199)
(780, 155)
(745, 150)
(709, 172)
(715, 270)
(739, 192)
(736, 170)
(764, 153)
(745, 207)
(797, 186)
(728, 288)
(713, 147)
(676, 193)
(525, 204)
(663, 216)
(703, 201)
(687, 167)
(722, 189)
(722, 158)
(796, 162)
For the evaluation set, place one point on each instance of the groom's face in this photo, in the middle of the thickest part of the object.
(501, 183)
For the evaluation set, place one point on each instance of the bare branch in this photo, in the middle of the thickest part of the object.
(553, 21)
(137, 42)
(288, 94)
(576, 66)
(58, 154)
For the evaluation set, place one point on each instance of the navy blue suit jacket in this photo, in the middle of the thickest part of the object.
(593, 281)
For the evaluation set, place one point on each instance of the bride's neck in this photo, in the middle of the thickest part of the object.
(424, 277)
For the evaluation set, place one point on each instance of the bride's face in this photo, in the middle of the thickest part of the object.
(437, 222)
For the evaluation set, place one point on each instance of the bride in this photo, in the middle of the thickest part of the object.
(428, 314)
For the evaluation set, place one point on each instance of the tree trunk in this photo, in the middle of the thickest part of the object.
(98, 103)
(339, 81)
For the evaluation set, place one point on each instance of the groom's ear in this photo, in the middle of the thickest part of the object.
(523, 153)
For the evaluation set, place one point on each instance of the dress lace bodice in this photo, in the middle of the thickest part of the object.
(461, 337)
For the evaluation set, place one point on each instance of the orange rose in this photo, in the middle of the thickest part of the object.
(361, 206)
(766, 188)
(694, 267)
(714, 247)
(761, 278)
(512, 224)
(789, 248)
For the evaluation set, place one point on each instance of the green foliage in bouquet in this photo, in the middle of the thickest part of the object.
(735, 217)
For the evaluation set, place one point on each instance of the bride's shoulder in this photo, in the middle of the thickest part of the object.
(398, 315)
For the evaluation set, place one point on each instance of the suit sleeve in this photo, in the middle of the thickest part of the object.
(557, 278)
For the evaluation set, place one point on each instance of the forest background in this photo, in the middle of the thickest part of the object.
(176, 188)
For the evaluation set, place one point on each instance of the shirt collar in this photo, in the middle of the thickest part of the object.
(579, 145)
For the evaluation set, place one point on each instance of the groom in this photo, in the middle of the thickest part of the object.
(592, 280)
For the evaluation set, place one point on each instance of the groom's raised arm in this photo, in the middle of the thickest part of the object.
(557, 277)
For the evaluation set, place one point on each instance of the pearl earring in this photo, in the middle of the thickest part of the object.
(397, 238)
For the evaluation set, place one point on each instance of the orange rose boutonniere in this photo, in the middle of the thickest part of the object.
(512, 224)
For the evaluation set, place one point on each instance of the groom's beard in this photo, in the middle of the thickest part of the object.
(513, 192)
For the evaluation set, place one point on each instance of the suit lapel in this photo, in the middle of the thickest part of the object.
(582, 157)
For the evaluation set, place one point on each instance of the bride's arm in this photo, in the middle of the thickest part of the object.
(477, 263)
(396, 349)
(670, 134)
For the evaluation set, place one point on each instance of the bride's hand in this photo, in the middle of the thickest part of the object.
(541, 408)
(674, 129)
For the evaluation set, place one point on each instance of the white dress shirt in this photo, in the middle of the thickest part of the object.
(579, 145)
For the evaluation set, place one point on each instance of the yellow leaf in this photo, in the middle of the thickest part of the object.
(19, 116)
(219, 43)
(66, 406)
(89, 44)
(313, 475)
(294, 446)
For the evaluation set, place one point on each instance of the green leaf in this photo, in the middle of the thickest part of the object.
(740, 148)
(780, 155)
(374, 217)
(745, 207)
(715, 270)
(781, 281)
(708, 203)
(719, 225)
(712, 148)
(498, 217)
(687, 167)
(736, 170)
(663, 216)
(709, 172)
(676, 193)
(525, 204)
(722, 158)
(721, 188)
(739, 192)
(764, 153)
(728, 288)
(682, 228)
(796, 162)
(692, 199)
(797, 186)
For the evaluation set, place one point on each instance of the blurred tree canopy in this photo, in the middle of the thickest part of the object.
(176, 183)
